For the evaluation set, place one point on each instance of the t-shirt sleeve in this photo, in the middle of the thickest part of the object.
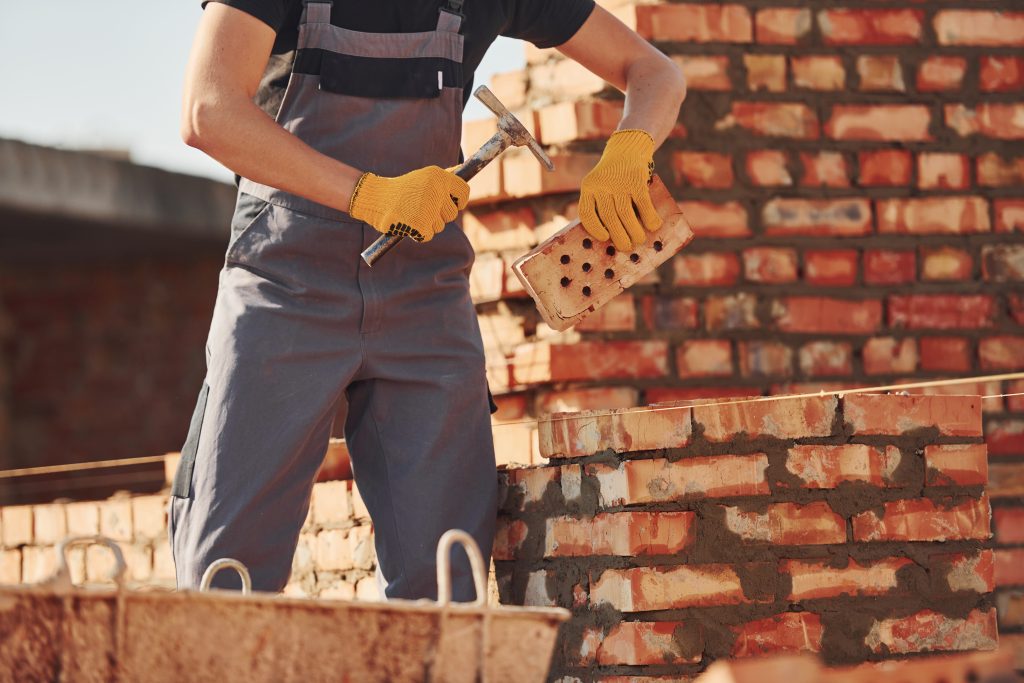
(547, 23)
(270, 12)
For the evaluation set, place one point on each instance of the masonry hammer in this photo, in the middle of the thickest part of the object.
(511, 133)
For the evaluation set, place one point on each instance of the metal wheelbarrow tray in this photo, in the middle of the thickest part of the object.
(56, 632)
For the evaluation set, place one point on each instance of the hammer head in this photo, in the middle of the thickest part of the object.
(511, 126)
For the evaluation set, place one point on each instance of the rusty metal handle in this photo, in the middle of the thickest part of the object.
(62, 577)
(226, 563)
(476, 562)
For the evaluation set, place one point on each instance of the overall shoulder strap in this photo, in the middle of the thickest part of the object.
(316, 12)
(450, 16)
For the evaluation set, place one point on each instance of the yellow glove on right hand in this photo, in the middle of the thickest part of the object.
(417, 204)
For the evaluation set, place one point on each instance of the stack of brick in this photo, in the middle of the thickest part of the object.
(856, 528)
(855, 176)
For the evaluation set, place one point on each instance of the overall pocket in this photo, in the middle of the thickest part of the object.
(182, 486)
(249, 213)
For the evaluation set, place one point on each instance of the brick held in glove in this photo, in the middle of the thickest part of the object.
(417, 204)
(615, 201)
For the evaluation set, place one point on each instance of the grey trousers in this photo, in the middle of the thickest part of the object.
(300, 325)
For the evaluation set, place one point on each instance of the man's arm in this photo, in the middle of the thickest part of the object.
(654, 85)
(219, 117)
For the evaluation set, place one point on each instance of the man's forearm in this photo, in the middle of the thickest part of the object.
(655, 90)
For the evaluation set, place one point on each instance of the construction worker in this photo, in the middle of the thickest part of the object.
(340, 121)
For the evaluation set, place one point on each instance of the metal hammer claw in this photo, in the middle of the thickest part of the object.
(511, 133)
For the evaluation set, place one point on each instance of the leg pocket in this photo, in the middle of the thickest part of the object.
(249, 212)
(182, 485)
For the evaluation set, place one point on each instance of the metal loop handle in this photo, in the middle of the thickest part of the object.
(476, 562)
(226, 563)
(62, 577)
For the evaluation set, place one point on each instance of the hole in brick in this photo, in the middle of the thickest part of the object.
(609, 273)
(658, 246)
(565, 259)
(586, 291)
(565, 281)
(634, 257)
(610, 251)
(586, 267)
(587, 244)
(971, 676)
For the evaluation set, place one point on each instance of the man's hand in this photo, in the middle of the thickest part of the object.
(417, 204)
(614, 199)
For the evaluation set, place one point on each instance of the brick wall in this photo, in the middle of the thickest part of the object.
(857, 528)
(855, 176)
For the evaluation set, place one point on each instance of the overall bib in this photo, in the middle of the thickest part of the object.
(301, 324)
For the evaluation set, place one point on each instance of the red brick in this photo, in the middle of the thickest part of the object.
(695, 23)
(891, 414)
(635, 643)
(818, 217)
(1003, 262)
(929, 631)
(782, 25)
(995, 171)
(767, 167)
(508, 538)
(552, 362)
(825, 467)
(940, 312)
(945, 354)
(940, 170)
(1014, 404)
(776, 119)
(50, 524)
(674, 313)
(956, 465)
(824, 315)
(520, 488)
(946, 263)
(1009, 523)
(765, 72)
(789, 418)
(979, 27)
(704, 358)
(765, 359)
(770, 265)
(499, 230)
(884, 167)
(818, 72)
(788, 524)
(823, 358)
(704, 72)
(1017, 307)
(972, 571)
(1009, 567)
(703, 169)
(974, 389)
(923, 520)
(878, 27)
(656, 395)
(939, 72)
(1009, 215)
(888, 356)
(992, 119)
(824, 169)
(709, 269)
(623, 534)
(880, 73)
(522, 176)
(716, 220)
(569, 121)
(1001, 73)
(934, 215)
(879, 122)
(575, 400)
(732, 312)
(624, 430)
(832, 268)
(618, 315)
(812, 580)
(636, 482)
(789, 632)
(889, 267)
(645, 589)
(1006, 437)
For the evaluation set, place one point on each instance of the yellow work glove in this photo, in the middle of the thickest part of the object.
(417, 204)
(614, 197)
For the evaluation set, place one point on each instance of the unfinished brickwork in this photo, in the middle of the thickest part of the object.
(854, 527)
(854, 173)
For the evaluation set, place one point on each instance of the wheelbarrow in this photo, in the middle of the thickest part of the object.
(55, 631)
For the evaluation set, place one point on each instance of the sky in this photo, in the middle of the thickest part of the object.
(109, 75)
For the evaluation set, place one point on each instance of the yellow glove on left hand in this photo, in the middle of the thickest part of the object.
(614, 197)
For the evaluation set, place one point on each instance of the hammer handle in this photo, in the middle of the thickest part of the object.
(473, 165)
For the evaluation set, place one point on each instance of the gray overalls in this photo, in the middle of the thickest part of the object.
(301, 324)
